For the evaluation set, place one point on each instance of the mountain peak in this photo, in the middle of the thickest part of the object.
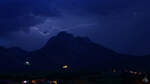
(64, 34)
(60, 39)
(69, 42)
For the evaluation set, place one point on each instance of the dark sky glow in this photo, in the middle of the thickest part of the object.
(122, 25)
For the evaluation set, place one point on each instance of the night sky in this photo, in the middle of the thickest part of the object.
(121, 25)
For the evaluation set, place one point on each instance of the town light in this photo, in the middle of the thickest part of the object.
(65, 66)
(114, 70)
(53, 82)
(34, 82)
(25, 82)
(27, 63)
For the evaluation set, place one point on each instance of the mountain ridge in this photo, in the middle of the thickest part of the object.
(66, 49)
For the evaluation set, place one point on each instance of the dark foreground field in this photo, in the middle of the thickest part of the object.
(75, 78)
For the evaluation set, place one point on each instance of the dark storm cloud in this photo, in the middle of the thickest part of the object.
(19, 15)
(122, 25)
(116, 24)
(103, 7)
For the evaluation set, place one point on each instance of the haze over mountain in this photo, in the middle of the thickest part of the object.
(76, 52)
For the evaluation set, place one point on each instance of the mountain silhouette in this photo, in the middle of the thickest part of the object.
(79, 53)
(11, 58)
(65, 49)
